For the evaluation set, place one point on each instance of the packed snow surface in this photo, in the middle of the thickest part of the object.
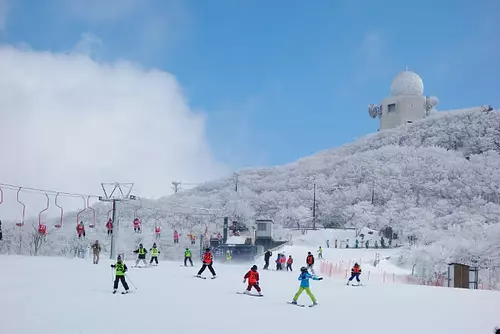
(65, 296)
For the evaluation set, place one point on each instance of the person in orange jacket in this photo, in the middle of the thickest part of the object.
(253, 280)
(208, 261)
(310, 262)
(355, 272)
(289, 263)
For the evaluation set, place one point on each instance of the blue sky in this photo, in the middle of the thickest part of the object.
(279, 80)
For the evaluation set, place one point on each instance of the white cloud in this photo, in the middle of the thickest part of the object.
(88, 44)
(69, 123)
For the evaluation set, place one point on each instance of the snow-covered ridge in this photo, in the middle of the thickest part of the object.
(436, 180)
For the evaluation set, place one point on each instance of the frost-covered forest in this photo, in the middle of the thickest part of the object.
(437, 181)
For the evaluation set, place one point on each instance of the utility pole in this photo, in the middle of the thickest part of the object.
(176, 186)
(120, 193)
(235, 182)
(314, 206)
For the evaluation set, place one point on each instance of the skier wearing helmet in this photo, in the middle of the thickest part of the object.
(142, 255)
(208, 260)
(253, 280)
(121, 269)
(304, 278)
(355, 272)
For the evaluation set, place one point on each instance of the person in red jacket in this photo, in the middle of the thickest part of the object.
(80, 230)
(310, 262)
(289, 263)
(208, 261)
(253, 280)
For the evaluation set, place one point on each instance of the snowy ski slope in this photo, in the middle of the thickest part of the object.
(66, 296)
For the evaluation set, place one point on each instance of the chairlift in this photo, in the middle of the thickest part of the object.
(42, 228)
(60, 224)
(21, 223)
(91, 225)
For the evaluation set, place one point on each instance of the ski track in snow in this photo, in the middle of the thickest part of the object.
(65, 296)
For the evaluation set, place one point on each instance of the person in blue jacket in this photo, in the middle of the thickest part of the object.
(304, 278)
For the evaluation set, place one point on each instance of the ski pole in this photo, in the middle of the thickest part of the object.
(132, 283)
(112, 276)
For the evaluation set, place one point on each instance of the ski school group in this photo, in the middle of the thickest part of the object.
(252, 276)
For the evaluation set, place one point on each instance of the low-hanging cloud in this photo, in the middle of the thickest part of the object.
(68, 123)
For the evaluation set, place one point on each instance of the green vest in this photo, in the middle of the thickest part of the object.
(187, 253)
(141, 251)
(120, 269)
(154, 251)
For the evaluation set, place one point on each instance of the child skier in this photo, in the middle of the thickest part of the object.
(208, 260)
(187, 257)
(310, 262)
(142, 255)
(304, 278)
(253, 280)
(121, 269)
(154, 254)
(355, 272)
(289, 263)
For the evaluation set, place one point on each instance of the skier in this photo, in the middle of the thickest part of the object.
(187, 257)
(157, 232)
(142, 255)
(355, 272)
(267, 256)
(176, 237)
(80, 230)
(278, 262)
(304, 278)
(253, 280)
(109, 226)
(96, 249)
(208, 260)
(228, 256)
(154, 254)
(289, 263)
(320, 253)
(310, 262)
(121, 269)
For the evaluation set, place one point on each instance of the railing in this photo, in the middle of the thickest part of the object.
(342, 270)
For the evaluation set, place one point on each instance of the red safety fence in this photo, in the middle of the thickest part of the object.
(342, 270)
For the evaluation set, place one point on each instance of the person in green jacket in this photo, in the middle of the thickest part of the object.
(154, 254)
(187, 257)
(121, 269)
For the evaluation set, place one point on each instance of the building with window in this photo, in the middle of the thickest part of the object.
(405, 104)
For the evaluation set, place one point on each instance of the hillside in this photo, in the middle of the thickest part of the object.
(437, 180)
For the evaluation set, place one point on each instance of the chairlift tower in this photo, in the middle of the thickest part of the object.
(116, 192)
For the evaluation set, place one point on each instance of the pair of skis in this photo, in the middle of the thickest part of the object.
(203, 277)
(249, 294)
(301, 305)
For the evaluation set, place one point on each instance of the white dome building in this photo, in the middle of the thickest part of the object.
(406, 103)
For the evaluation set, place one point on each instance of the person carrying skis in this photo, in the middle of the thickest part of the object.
(304, 278)
(208, 260)
(289, 263)
(121, 269)
(187, 257)
(355, 272)
(96, 250)
(253, 280)
(310, 262)
(154, 254)
(142, 255)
